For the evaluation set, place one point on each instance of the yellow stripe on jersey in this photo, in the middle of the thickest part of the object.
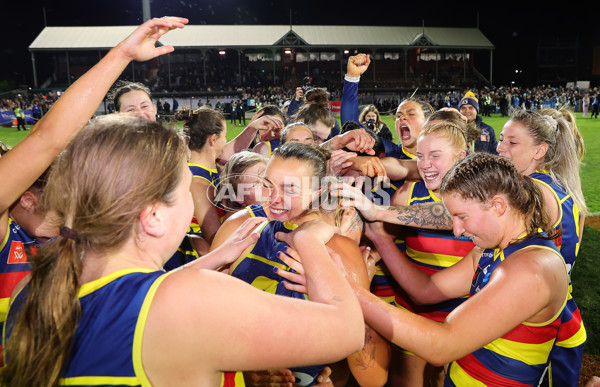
(576, 340)
(426, 258)
(6, 235)
(4, 302)
(99, 380)
(531, 354)
(238, 379)
(136, 354)
(462, 378)
(268, 285)
(94, 285)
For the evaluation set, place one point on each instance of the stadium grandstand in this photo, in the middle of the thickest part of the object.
(224, 58)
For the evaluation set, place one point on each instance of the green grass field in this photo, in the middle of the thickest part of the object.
(587, 270)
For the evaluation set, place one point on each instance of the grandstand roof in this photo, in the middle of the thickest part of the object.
(265, 36)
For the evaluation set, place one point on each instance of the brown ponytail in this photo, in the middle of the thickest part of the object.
(41, 340)
(315, 109)
(98, 186)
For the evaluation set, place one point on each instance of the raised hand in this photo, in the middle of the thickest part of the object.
(358, 64)
(140, 45)
(370, 166)
(267, 123)
(357, 140)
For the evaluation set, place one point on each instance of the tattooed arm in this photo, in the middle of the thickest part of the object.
(428, 215)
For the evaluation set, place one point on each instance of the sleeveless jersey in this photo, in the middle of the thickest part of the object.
(107, 349)
(520, 356)
(186, 252)
(256, 211)
(15, 249)
(430, 251)
(257, 268)
(572, 332)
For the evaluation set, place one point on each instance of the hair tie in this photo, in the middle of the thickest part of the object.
(68, 233)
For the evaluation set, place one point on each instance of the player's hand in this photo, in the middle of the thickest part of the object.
(141, 44)
(358, 64)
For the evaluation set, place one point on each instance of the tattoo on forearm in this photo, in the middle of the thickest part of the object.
(337, 299)
(327, 146)
(366, 356)
(429, 215)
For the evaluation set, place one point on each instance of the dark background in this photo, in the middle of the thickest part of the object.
(513, 27)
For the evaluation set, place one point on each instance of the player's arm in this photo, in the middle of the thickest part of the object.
(446, 284)
(499, 307)
(207, 320)
(32, 156)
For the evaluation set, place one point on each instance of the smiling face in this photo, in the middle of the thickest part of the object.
(473, 219)
(291, 188)
(409, 122)
(138, 103)
(469, 111)
(517, 145)
(435, 157)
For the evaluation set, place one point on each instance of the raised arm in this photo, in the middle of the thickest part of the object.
(356, 66)
(29, 159)
(243, 140)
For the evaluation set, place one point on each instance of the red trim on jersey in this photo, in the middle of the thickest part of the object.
(438, 245)
(228, 379)
(8, 281)
(570, 328)
(480, 372)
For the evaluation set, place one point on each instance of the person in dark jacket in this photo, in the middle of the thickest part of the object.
(480, 136)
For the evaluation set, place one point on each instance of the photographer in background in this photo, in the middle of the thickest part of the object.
(370, 118)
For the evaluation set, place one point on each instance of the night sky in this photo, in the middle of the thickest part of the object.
(512, 27)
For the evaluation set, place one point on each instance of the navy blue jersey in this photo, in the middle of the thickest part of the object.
(257, 268)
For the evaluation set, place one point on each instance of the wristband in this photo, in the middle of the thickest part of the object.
(352, 79)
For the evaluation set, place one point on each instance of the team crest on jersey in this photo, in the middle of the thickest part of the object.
(482, 275)
(18, 252)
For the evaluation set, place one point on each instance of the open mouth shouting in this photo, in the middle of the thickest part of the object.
(405, 133)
